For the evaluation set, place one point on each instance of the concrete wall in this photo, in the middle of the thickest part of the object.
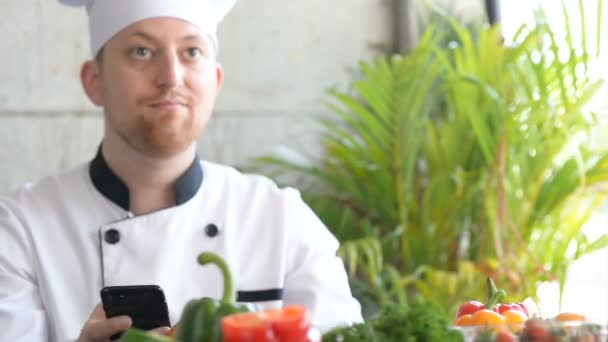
(279, 56)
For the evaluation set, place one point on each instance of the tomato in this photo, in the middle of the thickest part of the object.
(569, 316)
(464, 320)
(249, 326)
(524, 308)
(505, 337)
(470, 307)
(535, 330)
(500, 308)
(291, 323)
(514, 316)
(485, 316)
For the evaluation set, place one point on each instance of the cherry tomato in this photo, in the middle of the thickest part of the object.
(505, 337)
(500, 308)
(486, 317)
(524, 308)
(535, 330)
(470, 307)
(514, 316)
(464, 320)
(569, 316)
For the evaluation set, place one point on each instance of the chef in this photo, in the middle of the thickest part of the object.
(145, 206)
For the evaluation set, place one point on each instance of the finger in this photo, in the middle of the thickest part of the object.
(160, 331)
(102, 330)
(98, 313)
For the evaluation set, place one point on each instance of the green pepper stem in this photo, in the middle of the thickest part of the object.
(494, 295)
(491, 288)
(496, 298)
(208, 257)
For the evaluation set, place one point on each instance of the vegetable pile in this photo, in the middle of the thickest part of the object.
(506, 322)
(208, 320)
(201, 318)
(541, 330)
(474, 313)
(420, 321)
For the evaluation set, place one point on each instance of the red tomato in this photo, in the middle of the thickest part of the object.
(470, 307)
(524, 308)
(509, 306)
(487, 317)
(505, 337)
(249, 326)
(464, 320)
(290, 324)
(535, 330)
(514, 316)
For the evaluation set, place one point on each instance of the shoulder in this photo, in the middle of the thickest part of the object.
(253, 187)
(45, 194)
(261, 194)
(32, 202)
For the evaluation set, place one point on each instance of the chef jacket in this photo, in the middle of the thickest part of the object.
(64, 238)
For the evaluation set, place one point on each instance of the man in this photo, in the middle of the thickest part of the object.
(146, 206)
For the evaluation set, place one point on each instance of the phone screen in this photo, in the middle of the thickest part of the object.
(145, 304)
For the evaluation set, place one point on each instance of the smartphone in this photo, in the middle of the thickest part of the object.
(145, 304)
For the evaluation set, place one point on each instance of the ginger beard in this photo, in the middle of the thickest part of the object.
(160, 132)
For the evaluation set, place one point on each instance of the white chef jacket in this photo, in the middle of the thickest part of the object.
(64, 238)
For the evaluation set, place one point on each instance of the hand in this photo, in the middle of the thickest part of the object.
(98, 328)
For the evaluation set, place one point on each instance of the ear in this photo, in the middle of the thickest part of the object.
(90, 77)
(219, 73)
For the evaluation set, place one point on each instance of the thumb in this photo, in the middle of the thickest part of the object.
(98, 313)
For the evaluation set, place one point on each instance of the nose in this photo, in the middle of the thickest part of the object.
(170, 73)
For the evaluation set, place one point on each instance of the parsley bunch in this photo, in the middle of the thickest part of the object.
(419, 321)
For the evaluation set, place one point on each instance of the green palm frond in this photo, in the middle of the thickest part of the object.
(463, 158)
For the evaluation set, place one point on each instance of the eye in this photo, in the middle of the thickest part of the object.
(141, 52)
(195, 53)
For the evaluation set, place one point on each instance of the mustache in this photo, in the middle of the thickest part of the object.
(169, 96)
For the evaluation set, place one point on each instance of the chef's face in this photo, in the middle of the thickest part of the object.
(157, 81)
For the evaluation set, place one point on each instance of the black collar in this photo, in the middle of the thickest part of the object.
(112, 187)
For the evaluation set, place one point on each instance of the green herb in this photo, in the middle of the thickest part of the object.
(418, 322)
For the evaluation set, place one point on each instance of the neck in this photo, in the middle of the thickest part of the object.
(150, 180)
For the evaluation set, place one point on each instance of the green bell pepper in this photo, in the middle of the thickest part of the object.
(201, 318)
(138, 335)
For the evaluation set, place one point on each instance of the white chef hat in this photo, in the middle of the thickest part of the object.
(108, 17)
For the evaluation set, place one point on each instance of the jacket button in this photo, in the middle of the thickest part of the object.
(211, 230)
(112, 236)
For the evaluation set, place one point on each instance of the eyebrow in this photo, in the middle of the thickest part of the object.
(151, 38)
(143, 35)
(193, 37)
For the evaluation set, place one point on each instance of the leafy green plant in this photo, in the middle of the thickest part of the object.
(470, 153)
(421, 320)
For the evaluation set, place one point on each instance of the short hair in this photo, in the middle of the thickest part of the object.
(99, 56)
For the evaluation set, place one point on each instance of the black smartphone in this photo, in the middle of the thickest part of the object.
(145, 304)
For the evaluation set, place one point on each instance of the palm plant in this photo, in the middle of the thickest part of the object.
(466, 156)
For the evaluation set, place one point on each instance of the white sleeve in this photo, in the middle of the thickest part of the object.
(22, 316)
(316, 277)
